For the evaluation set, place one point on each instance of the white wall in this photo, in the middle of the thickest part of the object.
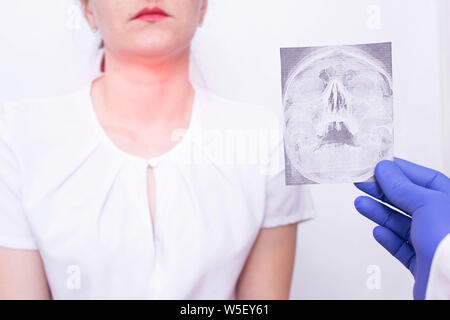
(444, 32)
(46, 50)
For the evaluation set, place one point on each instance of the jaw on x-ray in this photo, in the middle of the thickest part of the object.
(338, 112)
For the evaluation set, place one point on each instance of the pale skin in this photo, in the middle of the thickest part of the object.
(145, 95)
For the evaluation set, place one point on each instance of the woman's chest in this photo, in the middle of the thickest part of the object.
(103, 223)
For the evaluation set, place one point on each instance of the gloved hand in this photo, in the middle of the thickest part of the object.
(423, 194)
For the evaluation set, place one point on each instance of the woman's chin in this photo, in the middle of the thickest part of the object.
(157, 49)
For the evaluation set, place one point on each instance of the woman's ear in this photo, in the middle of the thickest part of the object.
(203, 11)
(87, 12)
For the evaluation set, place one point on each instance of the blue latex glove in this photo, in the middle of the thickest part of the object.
(422, 193)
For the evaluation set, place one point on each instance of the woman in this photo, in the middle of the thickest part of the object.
(103, 196)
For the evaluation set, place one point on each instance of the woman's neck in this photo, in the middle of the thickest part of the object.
(142, 95)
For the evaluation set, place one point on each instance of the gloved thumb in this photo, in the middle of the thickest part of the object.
(400, 191)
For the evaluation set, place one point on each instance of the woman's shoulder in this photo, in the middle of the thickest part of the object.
(40, 110)
(47, 120)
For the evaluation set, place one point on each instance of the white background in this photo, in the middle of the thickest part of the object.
(48, 49)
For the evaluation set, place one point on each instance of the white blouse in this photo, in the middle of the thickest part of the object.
(67, 190)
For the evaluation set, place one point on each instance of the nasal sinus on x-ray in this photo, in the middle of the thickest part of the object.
(338, 112)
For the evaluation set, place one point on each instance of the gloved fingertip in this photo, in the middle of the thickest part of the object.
(378, 232)
(363, 201)
(357, 202)
(382, 166)
(360, 203)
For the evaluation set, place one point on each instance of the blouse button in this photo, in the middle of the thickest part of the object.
(153, 162)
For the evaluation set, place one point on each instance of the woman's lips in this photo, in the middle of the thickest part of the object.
(151, 14)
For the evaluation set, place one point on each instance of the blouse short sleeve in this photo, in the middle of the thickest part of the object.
(15, 232)
(285, 204)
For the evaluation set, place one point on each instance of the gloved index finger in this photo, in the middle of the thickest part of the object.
(400, 191)
(374, 190)
(424, 177)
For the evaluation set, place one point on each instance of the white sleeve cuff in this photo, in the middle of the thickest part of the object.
(17, 243)
(438, 287)
(301, 216)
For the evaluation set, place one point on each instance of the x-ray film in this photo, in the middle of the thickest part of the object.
(338, 112)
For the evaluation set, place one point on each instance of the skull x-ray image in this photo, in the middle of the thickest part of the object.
(338, 112)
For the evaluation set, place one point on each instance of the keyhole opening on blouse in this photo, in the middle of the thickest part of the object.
(151, 195)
